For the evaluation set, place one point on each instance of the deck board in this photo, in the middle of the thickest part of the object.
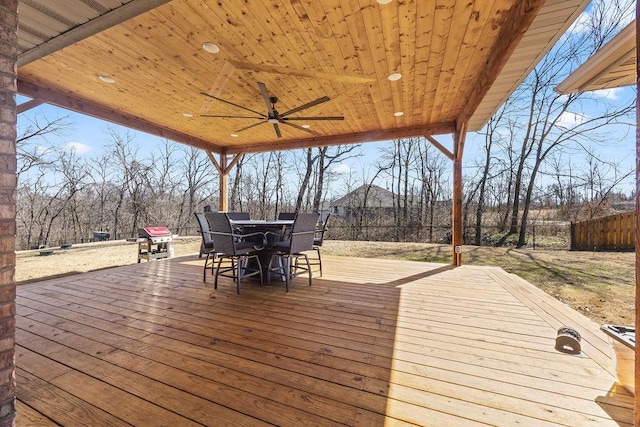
(372, 343)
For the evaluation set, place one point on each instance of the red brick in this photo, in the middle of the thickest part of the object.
(7, 211)
(7, 130)
(7, 391)
(7, 310)
(8, 179)
(6, 344)
(7, 228)
(7, 292)
(7, 274)
(7, 413)
(7, 326)
(7, 243)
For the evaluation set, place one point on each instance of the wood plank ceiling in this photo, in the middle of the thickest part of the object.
(448, 53)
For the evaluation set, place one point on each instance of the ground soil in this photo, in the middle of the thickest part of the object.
(600, 285)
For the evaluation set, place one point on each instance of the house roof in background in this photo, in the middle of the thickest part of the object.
(458, 62)
(376, 197)
(612, 66)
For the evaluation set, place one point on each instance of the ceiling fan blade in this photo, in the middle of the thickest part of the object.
(250, 126)
(232, 117)
(277, 128)
(315, 118)
(267, 100)
(301, 128)
(231, 103)
(305, 106)
(219, 84)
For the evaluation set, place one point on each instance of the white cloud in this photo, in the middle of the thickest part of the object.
(581, 24)
(41, 150)
(570, 120)
(341, 169)
(78, 147)
(611, 94)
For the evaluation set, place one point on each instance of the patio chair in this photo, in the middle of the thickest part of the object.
(235, 247)
(293, 247)
(238, 215)
(318, 240)
(206, 247)
(286, 216)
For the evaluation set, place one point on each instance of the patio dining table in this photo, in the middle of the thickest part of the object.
(273, 228)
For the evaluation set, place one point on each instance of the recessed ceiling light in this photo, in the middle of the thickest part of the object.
(395, 76)
(187, 115)
(210, 47)
(235, 135)
(398, 113)
(384, 1)
(306, 126)
(107, 79)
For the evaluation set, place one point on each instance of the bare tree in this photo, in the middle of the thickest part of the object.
(33, 144)
(549, 121)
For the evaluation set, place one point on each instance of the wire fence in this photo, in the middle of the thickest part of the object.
(539, 236)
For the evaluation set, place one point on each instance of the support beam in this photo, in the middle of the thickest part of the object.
(439, 146)
(28, 105)
(352, 138)
(64, 100)
(223, 201)
(456, 232)
(636, 400)
(224, 167)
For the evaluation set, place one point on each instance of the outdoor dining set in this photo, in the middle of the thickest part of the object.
(239, 247)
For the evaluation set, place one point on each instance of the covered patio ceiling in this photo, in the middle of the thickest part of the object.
(458, 62)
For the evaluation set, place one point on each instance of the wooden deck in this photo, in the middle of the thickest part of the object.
(372, 343)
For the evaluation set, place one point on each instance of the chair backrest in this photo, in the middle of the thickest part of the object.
(204, 230)
(321, 228)
(221, 232)
(303, 232)
(287, 216)
(238, 215)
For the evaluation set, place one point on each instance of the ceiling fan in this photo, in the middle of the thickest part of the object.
(273, 116)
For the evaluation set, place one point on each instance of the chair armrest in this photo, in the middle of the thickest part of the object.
(303, 232)
(257, 233)
(239, 237)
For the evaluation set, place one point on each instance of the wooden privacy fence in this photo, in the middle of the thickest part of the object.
(610, 233)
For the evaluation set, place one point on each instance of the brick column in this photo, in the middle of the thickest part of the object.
(8, 74)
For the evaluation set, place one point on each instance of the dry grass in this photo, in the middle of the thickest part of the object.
(600, 285)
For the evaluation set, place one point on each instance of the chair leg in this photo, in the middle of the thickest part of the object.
(215, 281)
(319, 260)
(260, 269)
(306, 258)
(238, 275)
(269, 269)
(204, 273)
(287, 271)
